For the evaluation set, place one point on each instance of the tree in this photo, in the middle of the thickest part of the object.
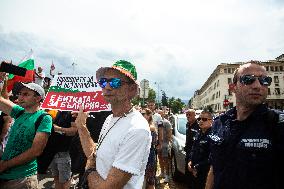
(136, 100)
(164, 99)
(176, 105)
(151, 97)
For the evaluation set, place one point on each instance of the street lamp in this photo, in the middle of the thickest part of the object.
(73, 65)
(158, 86)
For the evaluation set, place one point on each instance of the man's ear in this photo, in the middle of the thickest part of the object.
(133, 92)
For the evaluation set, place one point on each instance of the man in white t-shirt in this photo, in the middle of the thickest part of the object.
(157, 118)
(119, 158)
(39, 76)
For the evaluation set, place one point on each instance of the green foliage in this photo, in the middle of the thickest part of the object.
(151, 97)
(164, 99)
(136, 100)
(176, 105)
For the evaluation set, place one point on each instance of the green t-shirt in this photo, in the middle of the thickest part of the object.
(20, 139)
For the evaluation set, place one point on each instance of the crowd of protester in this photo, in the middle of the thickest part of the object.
(122, 148)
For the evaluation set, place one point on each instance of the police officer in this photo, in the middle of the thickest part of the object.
(191, 131)
(199, 156)
(247, 142)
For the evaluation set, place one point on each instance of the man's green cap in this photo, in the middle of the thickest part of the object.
(122, 66)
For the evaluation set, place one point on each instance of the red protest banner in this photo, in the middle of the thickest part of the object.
(68, 93)
(91, 101)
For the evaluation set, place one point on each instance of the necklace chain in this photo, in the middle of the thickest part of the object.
(101, 139)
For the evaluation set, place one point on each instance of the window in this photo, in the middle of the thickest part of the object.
(269, 93)
(276, 79)
(272, 68)
(214, 85)
(267, 68)
(277, 91)
(229, 92)
(225, 70)
(229, 70)
(181, 123)
(280, 68)
(229, 80)
(218, 83)
(276, 68)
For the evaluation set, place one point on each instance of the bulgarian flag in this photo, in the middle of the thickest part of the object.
(28, 63)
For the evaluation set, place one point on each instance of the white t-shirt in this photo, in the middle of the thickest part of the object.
(125, 147)
(38, 80)
(157, 120)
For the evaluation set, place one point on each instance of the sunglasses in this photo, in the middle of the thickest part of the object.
(203, 119)
(114, 83)
(249, 79)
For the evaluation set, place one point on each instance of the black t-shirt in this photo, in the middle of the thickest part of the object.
(60, 142)
(95, 123)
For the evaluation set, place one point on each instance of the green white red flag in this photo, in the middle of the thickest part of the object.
(28, 63)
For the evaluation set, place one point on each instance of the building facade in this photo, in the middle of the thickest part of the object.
(216, 94)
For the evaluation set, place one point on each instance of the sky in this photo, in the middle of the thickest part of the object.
(175, 45)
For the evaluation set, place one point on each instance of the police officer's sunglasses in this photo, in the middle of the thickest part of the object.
(114, 83)
(203, 119)
(249, 79)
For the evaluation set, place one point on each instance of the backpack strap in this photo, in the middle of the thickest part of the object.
(19, 114)
(38, 121)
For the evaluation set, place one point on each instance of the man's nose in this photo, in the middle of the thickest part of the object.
(256, 84)
(108, 86)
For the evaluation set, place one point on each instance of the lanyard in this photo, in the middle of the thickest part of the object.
(101, 139)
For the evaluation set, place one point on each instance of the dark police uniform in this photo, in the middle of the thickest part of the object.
(199, 156)
(191, 132)
(248, 154)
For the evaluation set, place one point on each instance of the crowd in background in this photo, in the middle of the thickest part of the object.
(228, 151)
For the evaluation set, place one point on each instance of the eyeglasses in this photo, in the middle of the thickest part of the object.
(249, 79)
(114, 83)
(203, 119)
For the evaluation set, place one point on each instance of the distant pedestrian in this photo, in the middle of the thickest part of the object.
(192, 129)
(39, 76)
(60, 141)
(198, 163)
(163, 147)
(150, 172)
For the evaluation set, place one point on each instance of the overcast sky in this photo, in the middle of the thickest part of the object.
(176, 43)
